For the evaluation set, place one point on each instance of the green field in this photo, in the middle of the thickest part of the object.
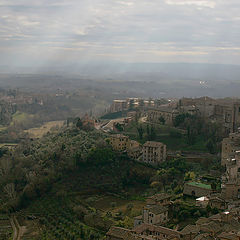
(2, 128)
(20, 117)
(40, 131)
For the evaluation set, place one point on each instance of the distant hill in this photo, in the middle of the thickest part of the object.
(138, 79)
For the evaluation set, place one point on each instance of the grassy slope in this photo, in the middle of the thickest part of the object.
(40, 131)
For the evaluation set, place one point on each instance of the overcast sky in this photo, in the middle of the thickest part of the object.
(39, 32)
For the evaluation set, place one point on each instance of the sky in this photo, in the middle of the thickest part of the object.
(43, 32)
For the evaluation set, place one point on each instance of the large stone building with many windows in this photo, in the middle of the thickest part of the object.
(230, 146)
(120, 142)
(154, 152)
(164, 115)
(231, 178)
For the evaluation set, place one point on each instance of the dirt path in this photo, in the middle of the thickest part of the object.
(18, 230)
(15, 231)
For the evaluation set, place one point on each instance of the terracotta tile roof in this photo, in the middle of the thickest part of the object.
(153, 144)
(158, 209)
(119, 136)
(160, 196)
(143, 227)
(190, 229)
(203, 236)
(202, 220)
(139, 217)
(210, 227)
(120, 233)
(229, 236)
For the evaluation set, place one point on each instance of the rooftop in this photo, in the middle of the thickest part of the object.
(200, 185)
(120, 233)
(143, 227)
(160, 196)
(153, 144)
(119, 136)
(158, 209)
(190, 229)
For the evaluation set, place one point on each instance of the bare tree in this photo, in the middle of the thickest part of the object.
(9, 189)
(5, 166)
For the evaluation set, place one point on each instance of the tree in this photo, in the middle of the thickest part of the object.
(148, 131)
(79, 123)
(191, 135)
(162, 120)
(5, 166)
(9, 189)
(131, 104)
(211, 146)
(152, 133)
(140, 132)
(113, 205)
(213, 186)
(141, 103)
(119, 127)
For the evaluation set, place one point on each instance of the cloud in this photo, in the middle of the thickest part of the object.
(199, 3)
(186, 30)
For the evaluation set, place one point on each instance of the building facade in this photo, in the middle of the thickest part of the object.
(120, 142)
(162, 115)
(230, 146)
(196, 189)
(154, 152)
(155, 215)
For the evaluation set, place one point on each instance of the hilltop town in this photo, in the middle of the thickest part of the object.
(158, 209)
(148, 168)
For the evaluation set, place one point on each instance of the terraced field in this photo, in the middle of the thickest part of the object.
(57, 221)
(5, 228)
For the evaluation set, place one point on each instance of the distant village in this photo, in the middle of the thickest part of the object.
(148, 226)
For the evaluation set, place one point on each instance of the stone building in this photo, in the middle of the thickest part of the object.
(197, 189)
(203, 106)
(230, 146)
(228, 115)
(231, 178)
(155, 214)
(135, 150)
(222, 226)
(166, 114)
(154, 152)
(120, 142)
(159, 199)
(149, 231)
(118, 106)
(216, 201)
(117, 233)
(135, 153)
(236, 117)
